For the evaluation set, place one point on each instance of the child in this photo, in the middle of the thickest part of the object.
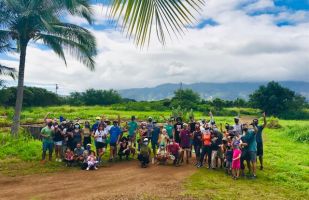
(228, 158)
(236, 161)
(144, 154)
(92, 161)
(162, 155)
(69, 157)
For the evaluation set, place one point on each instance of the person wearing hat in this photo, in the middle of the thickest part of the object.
(237, 128)
(144, 153)
(95, 125)
(115, 134)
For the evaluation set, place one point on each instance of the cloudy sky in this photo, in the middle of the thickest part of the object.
(233, 40)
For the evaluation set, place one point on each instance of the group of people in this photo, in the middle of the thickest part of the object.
(233, 147)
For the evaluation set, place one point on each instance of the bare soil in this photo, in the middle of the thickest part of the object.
(124, 180)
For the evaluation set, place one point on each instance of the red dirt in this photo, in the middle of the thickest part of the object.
(125, 180)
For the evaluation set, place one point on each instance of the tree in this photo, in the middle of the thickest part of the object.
(23, 21)
(186, 98)
(276, 100)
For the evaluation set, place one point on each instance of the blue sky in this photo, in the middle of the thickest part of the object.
(233, 40)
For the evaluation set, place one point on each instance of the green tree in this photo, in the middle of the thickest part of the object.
(23, 21)
(185, 98)
(276, 100)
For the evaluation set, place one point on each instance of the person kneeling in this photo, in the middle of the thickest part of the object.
(124, 149)
(173, 152)
(144, 154)
(162, 155)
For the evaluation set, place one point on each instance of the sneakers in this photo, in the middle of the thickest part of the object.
(58, 160)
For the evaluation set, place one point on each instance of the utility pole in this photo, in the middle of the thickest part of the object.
(57, 87)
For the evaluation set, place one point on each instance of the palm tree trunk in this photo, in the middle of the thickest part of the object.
(20, 89)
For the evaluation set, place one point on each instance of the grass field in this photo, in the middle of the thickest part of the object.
(286, 174)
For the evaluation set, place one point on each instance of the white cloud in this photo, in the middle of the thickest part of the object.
(240, 48)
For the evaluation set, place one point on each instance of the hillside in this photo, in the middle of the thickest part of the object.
(228, 91)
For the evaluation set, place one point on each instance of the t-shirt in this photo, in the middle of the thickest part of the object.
(185, 138)
(206, 139)
(252, 146)
(229, 155)
(192, 126)
(95, 126)
(197, 138)
(79, 151)
(58, 137)
(145, 150)
(237, 129)
(155, 134)
(173, 148)
(132, 128)
(115, 131)
(100, 136)
(149, 127)
(46, 131)
(178, 126)
(259, 137)
(169, 130)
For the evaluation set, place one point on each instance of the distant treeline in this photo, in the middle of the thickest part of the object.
(272, 98)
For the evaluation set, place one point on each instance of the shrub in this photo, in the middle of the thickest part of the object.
(273, 123)
(299, 133)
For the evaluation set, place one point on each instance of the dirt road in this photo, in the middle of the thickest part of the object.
(125, 180)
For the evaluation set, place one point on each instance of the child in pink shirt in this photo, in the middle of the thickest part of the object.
(236, 162)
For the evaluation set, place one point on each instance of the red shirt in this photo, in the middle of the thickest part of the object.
(173, 148)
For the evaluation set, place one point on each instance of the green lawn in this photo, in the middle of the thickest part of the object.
(286, 174)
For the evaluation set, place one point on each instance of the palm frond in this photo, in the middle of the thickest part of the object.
(78, 41)
(8, 71)
(136, 17)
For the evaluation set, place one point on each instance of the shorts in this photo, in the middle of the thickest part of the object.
(58, 143)
(100, 145)
(228, 164)
(219, 153)
(252, 155)
(113, 144)
(188, 148)
(48, 146)
(260, 151)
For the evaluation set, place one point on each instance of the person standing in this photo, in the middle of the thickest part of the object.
(185, 145)
(155, 137)
(47, 134)
(177, 128)
(115, 134)
(197, 142)
(169, 129)
(237, 128)
(132, 128)
(206, 149)
(100, 137)
(58, 138)
(86, 133)
(252, 146)
(259, 139)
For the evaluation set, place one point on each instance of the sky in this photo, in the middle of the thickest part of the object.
(231, 41)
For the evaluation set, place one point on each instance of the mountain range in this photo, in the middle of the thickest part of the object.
(227, 91)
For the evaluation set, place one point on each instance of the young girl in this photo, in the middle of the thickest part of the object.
(92, 161)
(236, 161)
(69, 157)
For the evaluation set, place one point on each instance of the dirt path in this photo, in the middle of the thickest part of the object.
(124, 180)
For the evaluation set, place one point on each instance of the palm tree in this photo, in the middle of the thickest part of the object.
(25, 20)
(22, 21)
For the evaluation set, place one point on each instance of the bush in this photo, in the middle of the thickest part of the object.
(24, 147)
(273, 123)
